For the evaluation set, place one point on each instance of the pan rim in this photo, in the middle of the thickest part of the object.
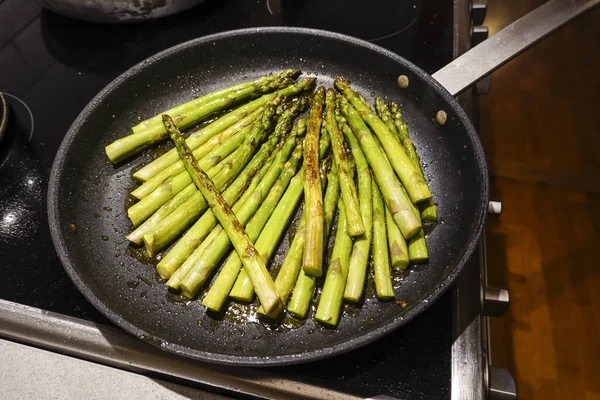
(289, 359)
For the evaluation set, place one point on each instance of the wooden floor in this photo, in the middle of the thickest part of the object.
(540, 126)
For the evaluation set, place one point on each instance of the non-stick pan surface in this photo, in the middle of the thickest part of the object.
(87, 195)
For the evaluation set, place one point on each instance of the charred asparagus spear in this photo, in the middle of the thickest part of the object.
(179, 272)
(221, 287)
(151, 202)
(313, 194)
(269, 238)
(410, 177)
(253, 263)
(204, 225)
(354, 220)
(200, 137)
(266, 197)
(144, 208)
(180, 219)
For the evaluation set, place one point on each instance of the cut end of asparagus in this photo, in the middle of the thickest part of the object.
(164, 272)
(149, 244)
(113, 153)
(429, 213)
(400, 264)
(134, 238)
(410, 233)
(385, 296)
(186, 292)
(314, 271)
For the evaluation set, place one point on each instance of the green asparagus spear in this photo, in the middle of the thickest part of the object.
(175, 265)
(259, 208)
(175, 280)
(258, 188)
(381, 265)
(181, 110)
(313, 195)
(396, 242)
(418, 241)
(410, 177)
(349, 195)
(253, 263)
(428, 208)
(225, 280)
(177, 168)
(137, 235)
(417, 248)
(330, 303)
(290, 275)
(205, 224)
(263, 199)
(383, 112)
(144, 208)
(176, 222)
(200, 137)
(243, 289)
(291, 267)
(391, 189)
(269, 237)
(125, 147)
(359, 258)
(174, 258)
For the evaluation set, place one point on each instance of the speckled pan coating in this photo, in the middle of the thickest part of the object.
(87, 191)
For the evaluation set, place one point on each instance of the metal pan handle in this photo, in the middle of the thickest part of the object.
(511, 41)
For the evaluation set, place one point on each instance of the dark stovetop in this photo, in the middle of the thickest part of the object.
(50, 67)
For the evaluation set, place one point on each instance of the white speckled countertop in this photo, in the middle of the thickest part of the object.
(30, 373)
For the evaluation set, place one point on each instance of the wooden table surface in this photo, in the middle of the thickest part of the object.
(540, 125)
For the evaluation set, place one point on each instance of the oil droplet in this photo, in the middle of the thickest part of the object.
(105, 238)
(107, 208)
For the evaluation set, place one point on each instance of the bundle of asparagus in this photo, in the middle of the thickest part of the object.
(232, 188)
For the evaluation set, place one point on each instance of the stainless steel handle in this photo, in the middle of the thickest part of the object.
(511, 41)
(495, 302)
(495, 207)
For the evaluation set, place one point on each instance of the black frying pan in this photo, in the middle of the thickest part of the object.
(88, 193)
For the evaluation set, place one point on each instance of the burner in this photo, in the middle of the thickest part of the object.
(23, 113)
(3, 116)
(15, 116)
(21, 179)
(379, 20)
